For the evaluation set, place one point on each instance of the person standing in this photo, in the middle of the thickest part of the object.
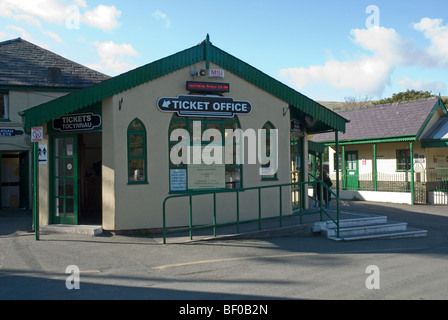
(327, 193)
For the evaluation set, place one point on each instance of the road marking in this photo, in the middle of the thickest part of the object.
(233, 259)
(90, 271)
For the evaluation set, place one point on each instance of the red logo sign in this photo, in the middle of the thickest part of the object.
(37, 134)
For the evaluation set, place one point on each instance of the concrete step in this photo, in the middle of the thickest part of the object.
(366, 229)
(364, 221)
(68, 229)
(322, 226)
(408, 233)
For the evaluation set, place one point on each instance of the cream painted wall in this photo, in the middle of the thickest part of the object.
(128, 207)
(24, 100)
(20, 101)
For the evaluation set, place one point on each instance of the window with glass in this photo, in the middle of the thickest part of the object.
(340, 161)
(403, 160)
(203, 155)
(268, 145)
(4, 106)
(137, 161)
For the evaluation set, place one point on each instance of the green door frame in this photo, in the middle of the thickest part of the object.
(352, 170)
(64, 179)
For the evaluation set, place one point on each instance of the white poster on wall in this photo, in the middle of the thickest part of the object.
(43, 154)
(178, 180)
(202, 177)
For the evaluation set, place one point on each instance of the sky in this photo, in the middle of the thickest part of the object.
(327, 50)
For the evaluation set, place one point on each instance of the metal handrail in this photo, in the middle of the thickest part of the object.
(322, 186)
(191, 227)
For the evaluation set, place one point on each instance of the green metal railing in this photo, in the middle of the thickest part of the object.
(297, 185)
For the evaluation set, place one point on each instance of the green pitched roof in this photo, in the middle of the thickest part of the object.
(202, 52)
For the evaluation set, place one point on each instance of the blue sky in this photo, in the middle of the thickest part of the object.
(327, 50)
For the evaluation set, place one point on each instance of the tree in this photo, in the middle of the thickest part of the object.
(406, 96)
(354, 102)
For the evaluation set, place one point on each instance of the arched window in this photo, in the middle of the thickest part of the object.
(206, 136)
(137, 162)
(268, 170)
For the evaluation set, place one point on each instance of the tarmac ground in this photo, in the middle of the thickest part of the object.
(275, 267)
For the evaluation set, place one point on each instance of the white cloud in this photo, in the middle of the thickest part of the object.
(365, 75)
(386, 50)
(159, 15)
(35, 12)
(437, 33)
(47, 10)
(36, 22)
(102, 17)
(25, 35)
(425, 85)
(113, 57)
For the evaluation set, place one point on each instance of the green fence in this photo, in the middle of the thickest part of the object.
(282, 188)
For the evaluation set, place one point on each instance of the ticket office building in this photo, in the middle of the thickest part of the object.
(114, 147)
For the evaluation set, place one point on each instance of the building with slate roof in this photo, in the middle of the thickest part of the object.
(29, 76)
(398, 150)
(131, 140)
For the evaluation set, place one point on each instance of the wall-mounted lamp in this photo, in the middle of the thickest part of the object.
(120, 104)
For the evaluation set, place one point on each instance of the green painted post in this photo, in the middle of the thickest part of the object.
(281, 209)
(318, 185)
(411, 149)
(36, 189)
(237, 212)
(303, 178)
(214, 214)
(375, 169)
(337, 182)
(191, 217)
(344, 168)
(259, 209)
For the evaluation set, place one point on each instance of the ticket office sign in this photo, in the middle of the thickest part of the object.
(204, 106)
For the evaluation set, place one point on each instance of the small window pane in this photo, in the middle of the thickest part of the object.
(136, 144)
(136, 152)
(136, 125)
(136, 170)
(233, 178)
(2, 107)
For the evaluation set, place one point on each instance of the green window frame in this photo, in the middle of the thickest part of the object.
(268, 126)
(404, 160)
(137, 153)
(179, 172)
